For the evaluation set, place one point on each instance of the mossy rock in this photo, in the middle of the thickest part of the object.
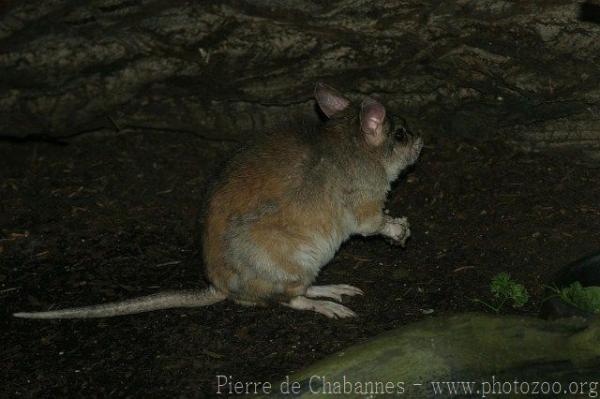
(493, 351)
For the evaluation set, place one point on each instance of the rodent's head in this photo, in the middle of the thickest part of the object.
(377, 133)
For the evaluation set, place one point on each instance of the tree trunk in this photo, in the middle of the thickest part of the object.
(528, 71)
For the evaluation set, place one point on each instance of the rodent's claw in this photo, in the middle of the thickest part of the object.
(334, 291)
(330, 309)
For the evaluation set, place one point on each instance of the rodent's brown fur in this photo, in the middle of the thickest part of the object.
(283, 206)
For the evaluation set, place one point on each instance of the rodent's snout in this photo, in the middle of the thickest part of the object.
(418, 144)
(413, 143)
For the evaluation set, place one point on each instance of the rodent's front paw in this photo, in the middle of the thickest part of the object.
(398, 229)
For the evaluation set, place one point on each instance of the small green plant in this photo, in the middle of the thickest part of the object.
(505, 289)
(584, 298)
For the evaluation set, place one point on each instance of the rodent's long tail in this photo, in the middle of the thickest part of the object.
(164, 300)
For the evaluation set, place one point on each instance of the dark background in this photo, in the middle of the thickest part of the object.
(115, 113)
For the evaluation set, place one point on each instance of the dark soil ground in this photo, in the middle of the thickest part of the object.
(104, 219)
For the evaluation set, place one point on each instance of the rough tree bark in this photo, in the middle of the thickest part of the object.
(526, 70)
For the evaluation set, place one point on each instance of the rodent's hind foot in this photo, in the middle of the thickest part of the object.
(330, 309)
(333, 291)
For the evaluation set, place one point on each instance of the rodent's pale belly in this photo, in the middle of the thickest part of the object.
(321, 247)
(315, 254)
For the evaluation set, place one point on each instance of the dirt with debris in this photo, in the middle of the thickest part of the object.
(109, 218)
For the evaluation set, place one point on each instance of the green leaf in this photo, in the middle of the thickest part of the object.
(504, 288)
(519, 295)
(500, 285)
(585, 298)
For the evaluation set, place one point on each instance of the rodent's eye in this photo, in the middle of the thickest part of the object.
(401, 133)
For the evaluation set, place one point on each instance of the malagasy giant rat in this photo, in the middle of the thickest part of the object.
(283, 207)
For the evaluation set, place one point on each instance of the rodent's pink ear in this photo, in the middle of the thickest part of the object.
(330, 100)
(372, 116)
